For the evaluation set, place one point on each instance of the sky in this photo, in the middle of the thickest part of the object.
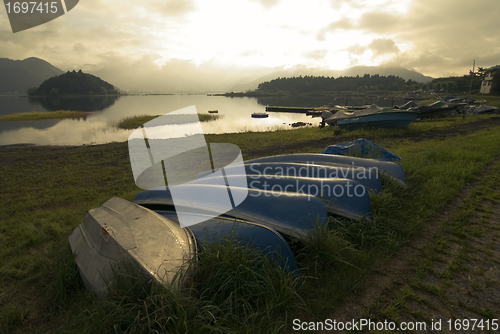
(175, 45)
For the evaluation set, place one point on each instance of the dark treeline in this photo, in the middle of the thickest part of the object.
(318, 84)
(456, 84)
(366, 83)
(73, 83)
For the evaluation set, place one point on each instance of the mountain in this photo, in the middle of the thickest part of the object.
(74, 83)
(386, 71)
(249, 83)
(16, 76)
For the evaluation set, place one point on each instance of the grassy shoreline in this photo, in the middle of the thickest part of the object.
(133, 122)
(42, 115)
(47, 190)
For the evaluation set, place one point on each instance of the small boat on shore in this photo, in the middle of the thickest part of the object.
(120, 233)
(372, 116)
(260, 115)
(215, 111)
(439, 108)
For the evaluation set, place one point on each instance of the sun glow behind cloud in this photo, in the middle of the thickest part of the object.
(245, 33)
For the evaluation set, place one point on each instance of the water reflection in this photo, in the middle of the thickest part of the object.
(39, 125)
(100, 127)
(312, 102)
(80, 103)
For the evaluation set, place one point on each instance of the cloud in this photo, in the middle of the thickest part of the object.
(382, 46)
(333, 27)
(174, 76)
(268, 3)
(356, 49)
(174, 7)
(132, 42)
(337, 4)
(316, 54)
(381, 22)
(438, 38)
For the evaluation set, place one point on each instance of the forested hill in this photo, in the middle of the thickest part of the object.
(73, 83)
(318, 84)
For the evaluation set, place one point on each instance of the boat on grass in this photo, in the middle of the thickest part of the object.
(120, 233)
(371, 116)
(439, 108)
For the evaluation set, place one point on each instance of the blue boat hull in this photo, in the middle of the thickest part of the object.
(342, 197)
(384, 120)
(388, 168)
(294, 215)
(242, 233)
(324, 170)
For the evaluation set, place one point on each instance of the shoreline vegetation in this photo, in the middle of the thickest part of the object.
(48, 190)
(134, 122)
(126, 123)
(42, 115)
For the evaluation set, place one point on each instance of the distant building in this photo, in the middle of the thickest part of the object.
(487, 82)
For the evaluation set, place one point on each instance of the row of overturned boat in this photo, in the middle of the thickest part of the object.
(279, 199)
(348, 117)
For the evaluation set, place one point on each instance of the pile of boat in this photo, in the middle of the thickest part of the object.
(349, 117)
(281, 198)
(373, 115)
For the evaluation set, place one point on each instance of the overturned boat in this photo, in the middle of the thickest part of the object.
(120, 233)
(439, 108)
(372, 116)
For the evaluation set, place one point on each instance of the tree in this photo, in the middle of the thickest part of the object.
(450, 85)
(32, 91)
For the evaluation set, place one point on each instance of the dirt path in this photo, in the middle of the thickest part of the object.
(450, 272)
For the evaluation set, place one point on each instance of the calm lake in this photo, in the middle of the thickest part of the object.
(99, 127)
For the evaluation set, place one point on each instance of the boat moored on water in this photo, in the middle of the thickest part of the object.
(260, 115)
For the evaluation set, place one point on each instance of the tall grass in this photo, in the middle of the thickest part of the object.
(231, 289)
(41, 115)
(134, 122)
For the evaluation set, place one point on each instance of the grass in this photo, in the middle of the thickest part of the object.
(37, 116)
(458, 250)
(215, 300)
(46, 192)
(249, 141)
(134, 122)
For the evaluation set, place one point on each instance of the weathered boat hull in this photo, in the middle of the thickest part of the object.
(392, 119)
(343, 197)
(294, 215)
(243, 233)
(310, 170)
(120, 232)
(391, 169)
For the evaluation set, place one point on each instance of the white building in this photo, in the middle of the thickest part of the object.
(488, 79)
